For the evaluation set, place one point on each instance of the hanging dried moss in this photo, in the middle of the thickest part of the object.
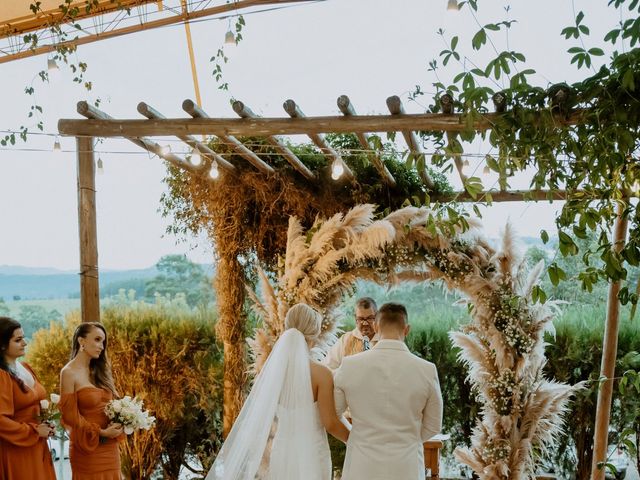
(249, 212)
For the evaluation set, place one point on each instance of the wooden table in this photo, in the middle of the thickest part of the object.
(432, 454)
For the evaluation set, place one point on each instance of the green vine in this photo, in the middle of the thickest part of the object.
(596, 160)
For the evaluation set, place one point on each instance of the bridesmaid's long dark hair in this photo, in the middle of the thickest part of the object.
(99, 368)
(7, 327)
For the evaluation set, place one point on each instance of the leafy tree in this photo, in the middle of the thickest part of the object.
(4, 309)
(179, 275)
(36, 317)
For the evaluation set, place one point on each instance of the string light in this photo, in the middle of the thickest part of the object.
(453, 6)
(229, 38)
(196, 158)
(214, 172)
(165, 150)
(337, 169)
(636, 188)
(486, 170)
(52, 68)
(465, 163)
(56, 146)
(100, 166)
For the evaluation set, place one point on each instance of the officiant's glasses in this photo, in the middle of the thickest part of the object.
(366, 320)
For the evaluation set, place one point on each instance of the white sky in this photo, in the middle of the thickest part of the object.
(367, 49)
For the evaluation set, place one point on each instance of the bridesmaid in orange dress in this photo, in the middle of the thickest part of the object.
(24, 453)
(86, 388)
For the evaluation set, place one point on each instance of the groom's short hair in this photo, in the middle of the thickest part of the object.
(392, 314)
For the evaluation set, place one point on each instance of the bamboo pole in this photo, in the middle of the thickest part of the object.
(200, 115)
(89, 285)
(192, 59)
(609, 354)
(151, 113)
(245, 112)
(236, 5)
(263, 127)
(97, 115)
(348, 110)
(394, 104)
(318, 139)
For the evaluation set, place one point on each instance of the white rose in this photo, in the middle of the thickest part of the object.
(128, 430)
(44, 404)
(55, 398)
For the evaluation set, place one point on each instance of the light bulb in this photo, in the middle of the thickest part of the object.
(230, 38)
(52, 68)
(165, 150)
(100, 166)
(465, 163)
(452, 5)
(214, 172)
(196, 158)
(56, 146)
(337, 169)
(486, 170)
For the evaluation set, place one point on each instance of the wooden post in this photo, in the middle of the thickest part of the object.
(231, 330)
(89, 286)
(608, 365)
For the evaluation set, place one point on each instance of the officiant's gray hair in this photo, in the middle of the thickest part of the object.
(304, 319)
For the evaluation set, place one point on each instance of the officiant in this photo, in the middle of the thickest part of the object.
(360, 338)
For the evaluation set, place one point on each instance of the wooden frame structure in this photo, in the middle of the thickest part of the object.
(99, 124)
(12, 30)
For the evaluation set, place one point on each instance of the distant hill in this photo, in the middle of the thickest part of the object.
(47, 283)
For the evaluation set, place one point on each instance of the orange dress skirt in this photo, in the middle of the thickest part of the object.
(92, 458)
(24, 455)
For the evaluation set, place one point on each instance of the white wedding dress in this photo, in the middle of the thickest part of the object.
(279, 434)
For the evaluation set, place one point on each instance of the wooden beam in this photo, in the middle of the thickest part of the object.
(457, 159)
(198, 113)
(317, 138)
(152, 114)
(87, 229)
(245, 112)
(609, 354)
(347, 109)
(98, 115)
(234, 6)
(263, 127)
(394, 104)
(507, 196)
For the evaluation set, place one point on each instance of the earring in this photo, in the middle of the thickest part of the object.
(82, 348)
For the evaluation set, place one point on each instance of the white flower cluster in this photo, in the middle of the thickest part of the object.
(129, 413)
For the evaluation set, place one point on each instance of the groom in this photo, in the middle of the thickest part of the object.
(395, 402)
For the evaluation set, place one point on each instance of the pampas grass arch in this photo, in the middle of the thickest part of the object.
(502, 346)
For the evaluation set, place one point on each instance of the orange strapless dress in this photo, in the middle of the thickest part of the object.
(83, 416)
(24, 455)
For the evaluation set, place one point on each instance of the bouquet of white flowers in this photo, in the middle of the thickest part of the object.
(49, 412)
(129, 413)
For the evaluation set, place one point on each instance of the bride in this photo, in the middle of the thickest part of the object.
(280, 433)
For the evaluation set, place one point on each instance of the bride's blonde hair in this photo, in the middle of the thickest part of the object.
(304, 319)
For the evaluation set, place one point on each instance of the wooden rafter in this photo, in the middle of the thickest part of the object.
(204, 150)
(98, 115)
(245, 112)
(263, 127)
(317, 138)
(198, 113)
(182, 17)
(348, 110)
(394, 104)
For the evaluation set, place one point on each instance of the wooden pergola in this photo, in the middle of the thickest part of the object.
(227, 130)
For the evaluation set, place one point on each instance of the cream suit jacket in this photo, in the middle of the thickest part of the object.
(396, 405)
